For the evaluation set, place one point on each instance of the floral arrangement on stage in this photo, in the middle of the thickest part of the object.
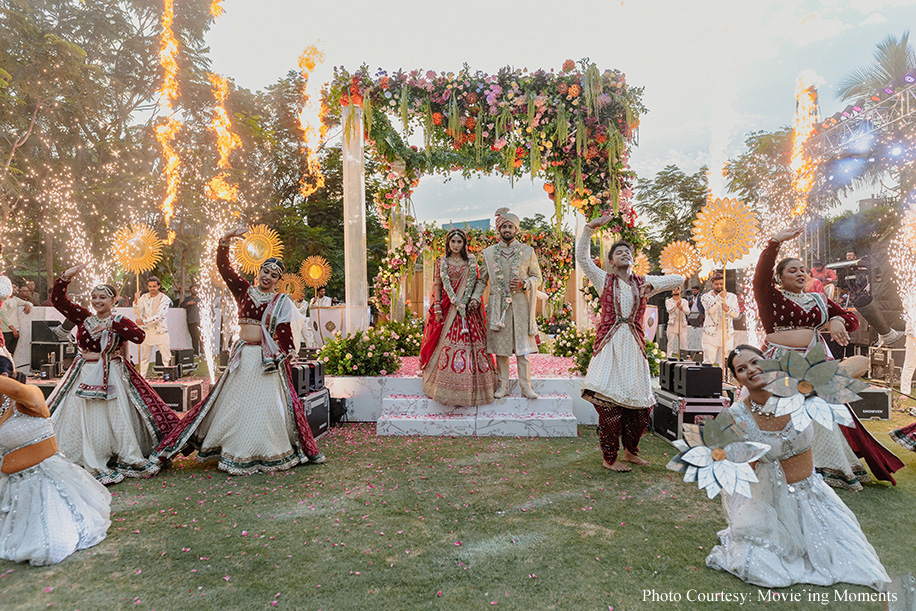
(406, 335)
(392, 271)
(571, 340)
(572, 128)
(558, 321)
(365, 353)
(584, 353)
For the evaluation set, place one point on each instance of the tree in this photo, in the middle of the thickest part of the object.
(893, 59)
(671, 202)
(537, 223)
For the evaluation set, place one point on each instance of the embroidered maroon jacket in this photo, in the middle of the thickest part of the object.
(778, 311)
(124, 328)
(241, 289)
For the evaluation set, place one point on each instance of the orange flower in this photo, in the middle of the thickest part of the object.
(562, 88)
(569, 65)
(471, 98)
(437, 118)
(518, 163)
(470, 123)
(549, 187)
(383, 82)
(574, 90)
(344, 100)
(601, 138)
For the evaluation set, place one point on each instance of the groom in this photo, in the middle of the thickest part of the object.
(514, 275)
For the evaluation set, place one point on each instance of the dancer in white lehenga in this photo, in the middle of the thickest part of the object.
(252, 419)
(794, 528)
(49, 507)
(618, 382)
(108, 418)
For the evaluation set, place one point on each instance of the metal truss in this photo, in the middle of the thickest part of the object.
(897, 110)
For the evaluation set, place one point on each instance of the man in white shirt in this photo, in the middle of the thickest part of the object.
(9, 318)
(152, 309)
(718, 314)
(909, 361)
(677, 322)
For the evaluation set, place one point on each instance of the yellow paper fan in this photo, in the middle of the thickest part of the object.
(292, 284)
(680, 258)
(259, 244)
(724, 230)
(642, 266)
(316, 271)
(137, 248)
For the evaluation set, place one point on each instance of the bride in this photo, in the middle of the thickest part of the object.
(453, 356)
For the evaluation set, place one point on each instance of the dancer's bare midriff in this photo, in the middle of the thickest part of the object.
(250, 334)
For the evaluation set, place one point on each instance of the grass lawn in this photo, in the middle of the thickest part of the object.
(438, 523)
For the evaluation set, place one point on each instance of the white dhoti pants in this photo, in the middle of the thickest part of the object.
(161, 342)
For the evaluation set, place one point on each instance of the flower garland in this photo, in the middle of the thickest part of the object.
(573, 128)
(462, 302)
(392, 271)
(515, 258)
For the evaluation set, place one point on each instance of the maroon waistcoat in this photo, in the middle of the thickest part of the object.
(611, 318)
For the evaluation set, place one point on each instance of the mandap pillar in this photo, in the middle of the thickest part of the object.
(354, 204)
(579, 277)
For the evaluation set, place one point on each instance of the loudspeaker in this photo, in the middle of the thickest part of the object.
(182, 361)
(180, 396)
(692, 380)
(50, 370)
(874, 404)
(666, 373)
(300, 376)
(317, 411)
(316, 380)
(41, 331)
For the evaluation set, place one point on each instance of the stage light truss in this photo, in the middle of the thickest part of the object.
(897, 110)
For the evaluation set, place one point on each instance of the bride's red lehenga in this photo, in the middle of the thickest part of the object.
(453, 356)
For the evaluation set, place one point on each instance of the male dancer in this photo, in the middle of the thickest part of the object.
(514, 274)
(153, 307)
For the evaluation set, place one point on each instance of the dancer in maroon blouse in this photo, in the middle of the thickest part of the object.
(252, 419)
(791, 319)
(108, 419)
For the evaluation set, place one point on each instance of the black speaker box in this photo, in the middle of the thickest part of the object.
(339, 409)
(317, 411)
(300, 376)
(50, 370)
(874, 404)
(316, 380)
(179, 357)
(41, 331)
(692, 380)
(666, 373)
(180, 396)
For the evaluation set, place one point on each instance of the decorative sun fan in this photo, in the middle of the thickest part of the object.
(316, 271)
(681, 258)
(724, 230)
(292, 284)
(137, 248)
(259, 244)
(642, 266)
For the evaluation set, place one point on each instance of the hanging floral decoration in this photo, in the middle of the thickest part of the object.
(572, 128)
(716, 457)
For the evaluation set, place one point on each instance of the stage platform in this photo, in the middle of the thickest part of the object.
(370, 397)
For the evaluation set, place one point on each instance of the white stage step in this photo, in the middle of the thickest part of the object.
(550, 415)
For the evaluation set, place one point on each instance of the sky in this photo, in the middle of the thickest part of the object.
(713, 71)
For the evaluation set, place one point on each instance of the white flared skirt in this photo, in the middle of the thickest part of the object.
(620, 373)
(794, 533)
(247, 423)
(108, 438)
(51, 510)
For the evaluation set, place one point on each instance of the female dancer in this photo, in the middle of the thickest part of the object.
(49, 507)
(456, 367)
(791, 318)
(252, 419)
(618, 382)
(108, 418)
(794, 528)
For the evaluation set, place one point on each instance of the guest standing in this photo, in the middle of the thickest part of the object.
(152, 310)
